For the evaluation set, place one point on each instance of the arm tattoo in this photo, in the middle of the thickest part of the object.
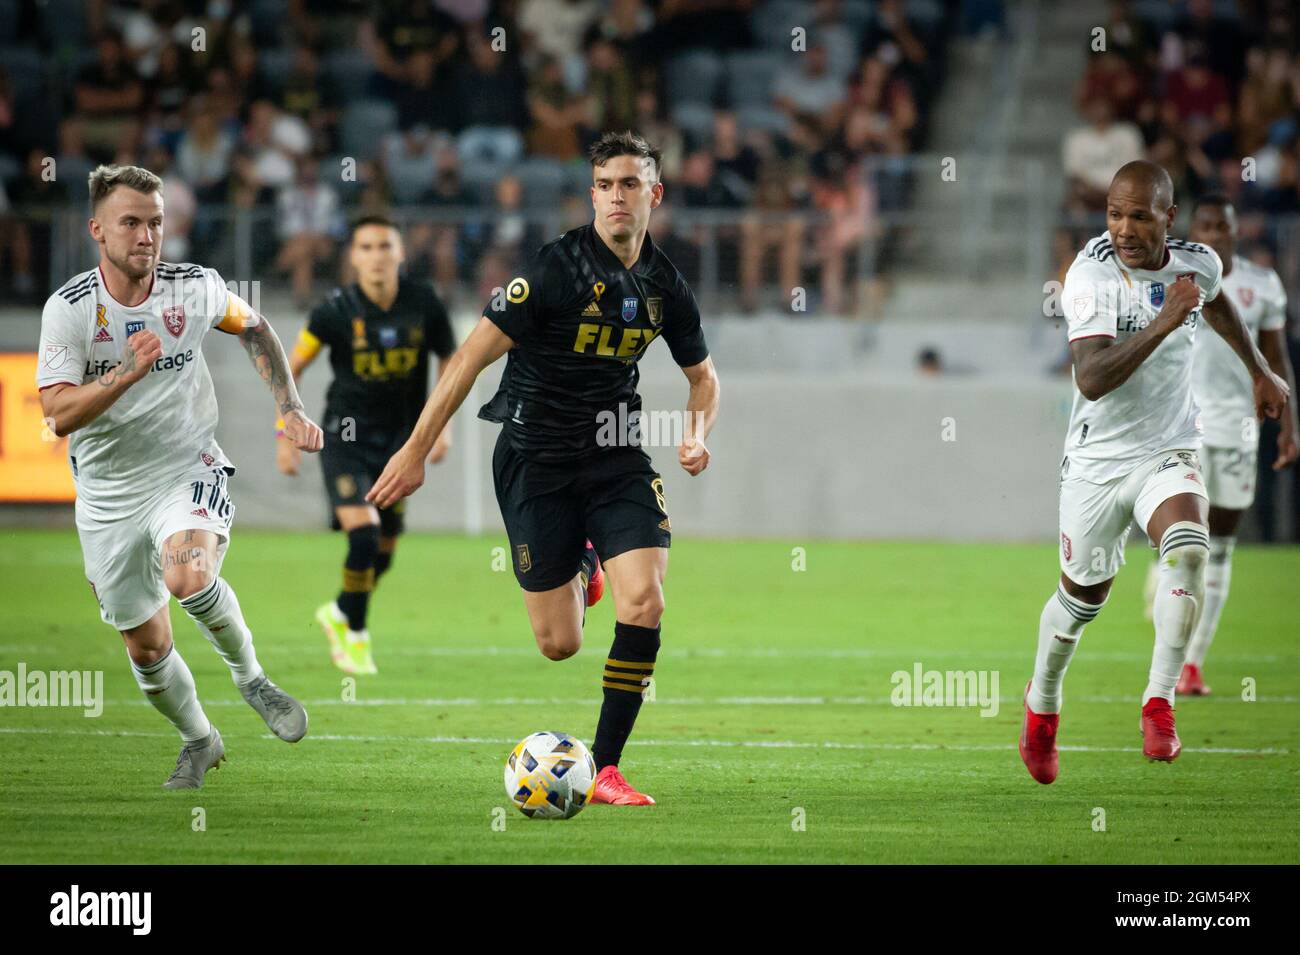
(127, 365)
(267, 354)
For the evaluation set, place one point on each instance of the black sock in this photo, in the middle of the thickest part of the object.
(630, 665)
(383, 561)
(359, 574)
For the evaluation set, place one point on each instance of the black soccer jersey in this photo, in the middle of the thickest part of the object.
(580, 321)
(380, 359)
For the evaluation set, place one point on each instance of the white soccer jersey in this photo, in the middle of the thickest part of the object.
(1154, 410)
(165, 423)
(1220, 380)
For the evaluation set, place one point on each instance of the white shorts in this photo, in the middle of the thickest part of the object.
(1230, 476)
(122, 552)
(1095, 518)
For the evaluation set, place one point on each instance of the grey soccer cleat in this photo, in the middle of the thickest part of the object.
(283, 714)
(195, 760)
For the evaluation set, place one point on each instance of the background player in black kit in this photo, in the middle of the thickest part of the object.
(379, 331)
(575, 322)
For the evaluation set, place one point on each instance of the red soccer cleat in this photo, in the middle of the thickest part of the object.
(1191, 682)
(1038, 743)
(612, 788)
(596, 583)
(1159, 737)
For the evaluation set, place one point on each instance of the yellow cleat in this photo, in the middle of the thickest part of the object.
(358, 651)
(335, 625)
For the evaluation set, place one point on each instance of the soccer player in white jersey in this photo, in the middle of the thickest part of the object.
(121, 370)
(1222, 389)
(1133, 299)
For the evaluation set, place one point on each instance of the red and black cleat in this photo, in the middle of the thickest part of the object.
(1191, 683)
(613, 789)
(1038, 743)
(1159, 737)
(596, 582)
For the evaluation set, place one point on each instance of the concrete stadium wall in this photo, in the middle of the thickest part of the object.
(797, 455)
(825, 432)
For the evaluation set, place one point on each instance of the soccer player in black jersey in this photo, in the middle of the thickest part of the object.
(575, 322)
(379, 332)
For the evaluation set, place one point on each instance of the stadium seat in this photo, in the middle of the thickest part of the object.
(772, 22)
(750, 77)
(695, 120)
(481, 178)
(350, 72)
(544, 181)
(9, 23)
(64, 23)
(765, 118)
(489, 144)
(925, 12)
(693, 77)
(276, 65)
(268, 18)
(364, 124)
(26, 71)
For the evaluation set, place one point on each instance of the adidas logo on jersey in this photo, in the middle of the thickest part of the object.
(592, 309)
(200, 512)
(102, 336)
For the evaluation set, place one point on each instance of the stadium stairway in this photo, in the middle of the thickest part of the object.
(979, 248)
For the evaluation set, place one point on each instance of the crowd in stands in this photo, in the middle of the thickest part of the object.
(313, 111)
(1211, 91)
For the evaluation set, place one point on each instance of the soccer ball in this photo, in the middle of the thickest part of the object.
(550, 776)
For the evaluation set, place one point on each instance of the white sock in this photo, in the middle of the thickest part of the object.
(1218, 573)
(1059, 629)
(1149, 587)
(1184, 551)
(169, 686)
(216, 611)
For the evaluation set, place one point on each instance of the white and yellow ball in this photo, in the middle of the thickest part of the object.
(550, 776)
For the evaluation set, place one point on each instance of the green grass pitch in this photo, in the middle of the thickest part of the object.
(772, 707)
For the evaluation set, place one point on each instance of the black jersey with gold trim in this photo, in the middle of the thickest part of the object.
(581, 321)
(380, 359)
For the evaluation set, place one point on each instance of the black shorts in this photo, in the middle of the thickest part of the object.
(351, 469)
(613, 498)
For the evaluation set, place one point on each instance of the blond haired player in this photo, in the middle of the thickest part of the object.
(121, 371)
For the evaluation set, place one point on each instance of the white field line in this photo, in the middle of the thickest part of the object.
(693, 743)
(730, 653)
(781, 653)
(594, 700)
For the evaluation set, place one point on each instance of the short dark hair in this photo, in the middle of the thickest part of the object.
(626, 143)
(372, 219)
(1217, 199)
